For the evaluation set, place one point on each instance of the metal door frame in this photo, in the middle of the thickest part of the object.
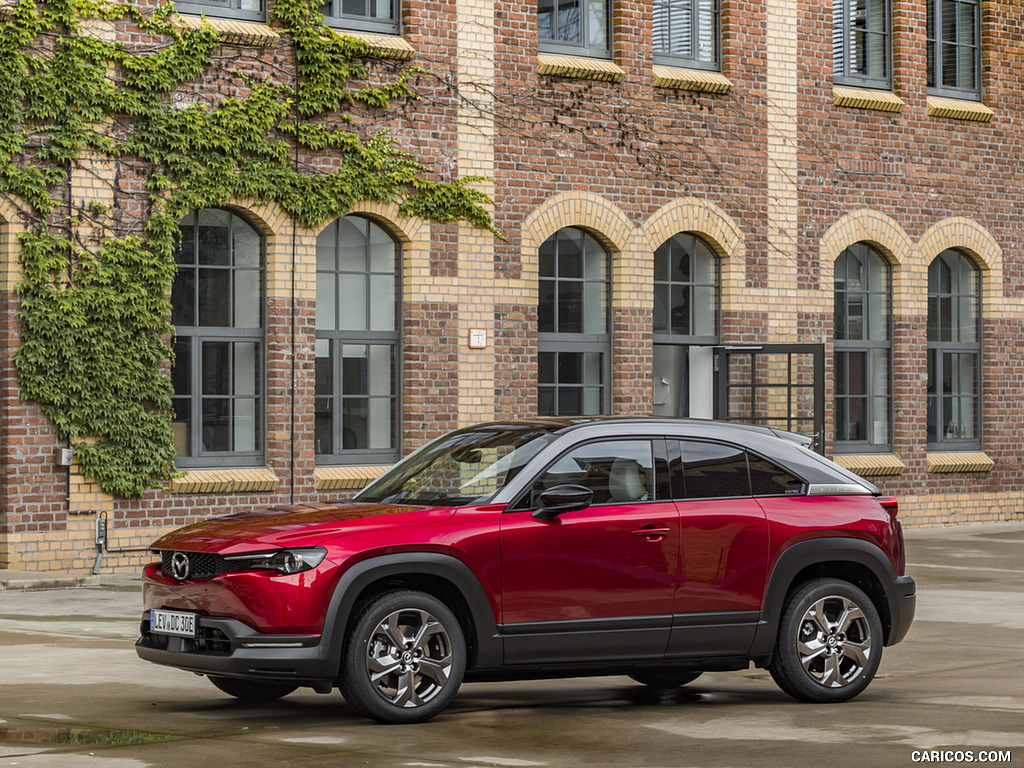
(722, 386)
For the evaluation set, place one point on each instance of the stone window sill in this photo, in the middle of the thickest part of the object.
(680, 78)
(232, 32)
(347, 478)
(579, 68)
(871, 464)
(250, 480)
(958, 109)
(866, 98)
(959, 461)
(383, 46)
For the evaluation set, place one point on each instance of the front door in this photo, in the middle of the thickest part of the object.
(597, 583)
(776, 385)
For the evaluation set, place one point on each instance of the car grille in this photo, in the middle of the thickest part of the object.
(202, 565)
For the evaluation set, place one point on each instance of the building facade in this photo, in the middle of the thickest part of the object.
(788, 212)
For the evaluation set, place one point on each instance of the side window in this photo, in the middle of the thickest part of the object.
(369, 15)
(767, 479)
(250, 10)
(617, 471)
(713, 471)
(574, 27)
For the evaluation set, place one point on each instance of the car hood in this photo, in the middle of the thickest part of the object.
(299, 525)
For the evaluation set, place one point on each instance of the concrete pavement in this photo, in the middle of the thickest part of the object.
(73, 695)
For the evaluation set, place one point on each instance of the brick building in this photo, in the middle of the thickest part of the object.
(792, 212)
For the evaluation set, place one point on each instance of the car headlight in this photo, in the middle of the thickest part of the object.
(285, 561)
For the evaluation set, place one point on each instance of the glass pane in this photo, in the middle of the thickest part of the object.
(546, 19)
(662, 309)
(546, 367)
(216, 425)
(598, 23)
(380, 423)
(183, 298)
(185, 251)
(181, 428)
(595, 260)
(245, 425)
(380, 383)
(181, 369)
(382, 302)
(247, 298)
(352, 302)
(382, 250)
(216, 372)
(592, 401)
(352, 244)
(215, 298)
(878, 317)
(593, 368)
(570, 368)
(324, 429)
(546, 306)
(570, 307)
(707, 41)
(353, 420)
(326, 249)
(661, 261)
(324, 367)
(706, 311)
(680, 311)
(246, 242)
(353, 7)
(681, 258)
(246, 368)
(570, 256)
(595, 304)
(214, 243)
(326, 302)
(546, 402)
(968, 313)
(546, 256)
(570, 401)
(354, 370)
(705, 263)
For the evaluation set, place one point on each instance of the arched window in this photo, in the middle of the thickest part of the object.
(217, 312)
(357, 343)
(863, 351)
(686, 299)
(574, 343)
(954, 352)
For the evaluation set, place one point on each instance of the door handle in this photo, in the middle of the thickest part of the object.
(652, 532)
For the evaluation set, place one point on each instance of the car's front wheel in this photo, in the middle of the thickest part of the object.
(404, 658)
(829, 644)
(253, 691)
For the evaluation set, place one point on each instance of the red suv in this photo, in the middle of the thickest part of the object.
(653, 548)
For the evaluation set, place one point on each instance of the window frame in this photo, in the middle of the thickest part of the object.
(693, 60)
(197, 335)
(584, 47)
(365, 23)
(558, 342)
(231, 9)
(867, 346)
(934, 52)
(937, 349)
(338, 339)
(842, 32)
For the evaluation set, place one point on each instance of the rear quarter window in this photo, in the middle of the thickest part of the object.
(767, 479)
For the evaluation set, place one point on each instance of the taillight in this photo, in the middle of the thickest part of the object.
(889, 504)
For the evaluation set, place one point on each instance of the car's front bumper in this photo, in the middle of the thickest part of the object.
(229, 648)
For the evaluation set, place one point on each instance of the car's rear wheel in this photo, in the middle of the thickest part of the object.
(665, 678)
(404, 658)
(829, 644)
(253, 691)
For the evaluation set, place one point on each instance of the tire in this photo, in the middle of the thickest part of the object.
(404, 658)
(829, 644)
(253, 691)
(665, 678)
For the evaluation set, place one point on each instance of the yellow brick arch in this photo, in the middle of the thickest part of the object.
(869, 226)
(601, 218)
(978, 244)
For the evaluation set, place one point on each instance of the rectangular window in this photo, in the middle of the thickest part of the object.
(579, 27)
(362, 15)
(861, 43)
(686, 33)
(250, 10)
(954, 48)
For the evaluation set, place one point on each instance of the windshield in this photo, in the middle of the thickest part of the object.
(465, 467)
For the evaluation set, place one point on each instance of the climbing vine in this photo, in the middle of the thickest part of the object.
(95, 295)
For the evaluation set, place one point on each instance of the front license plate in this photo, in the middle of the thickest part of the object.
(174, 623)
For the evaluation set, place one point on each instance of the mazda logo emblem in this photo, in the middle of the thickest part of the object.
(180, 566)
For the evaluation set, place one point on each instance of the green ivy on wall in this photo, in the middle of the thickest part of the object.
(94, 310)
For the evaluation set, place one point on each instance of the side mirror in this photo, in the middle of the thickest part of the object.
(563, 498)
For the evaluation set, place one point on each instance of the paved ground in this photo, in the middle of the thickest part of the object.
(74, 695)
